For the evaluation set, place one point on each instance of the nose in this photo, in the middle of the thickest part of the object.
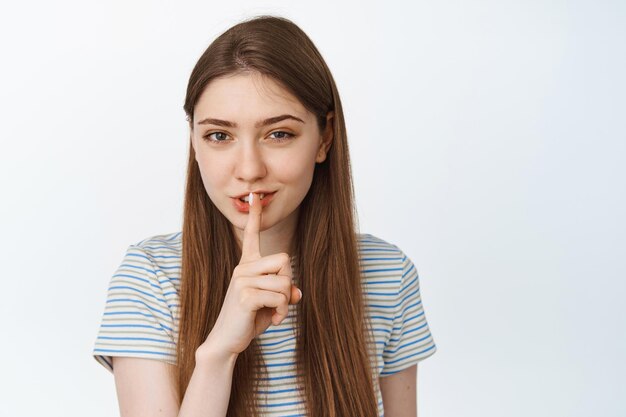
(250, 164)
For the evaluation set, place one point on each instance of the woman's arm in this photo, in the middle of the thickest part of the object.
(208, 391)
(145, 387)
(399, 393)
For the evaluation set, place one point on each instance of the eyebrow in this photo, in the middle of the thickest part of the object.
(266, 122)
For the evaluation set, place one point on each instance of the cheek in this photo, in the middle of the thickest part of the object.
(296, 170)
(213, 171)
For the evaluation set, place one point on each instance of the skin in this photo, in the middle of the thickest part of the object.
(250, 158)
(399, 392)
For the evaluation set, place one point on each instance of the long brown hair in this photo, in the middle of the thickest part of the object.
(332, 331)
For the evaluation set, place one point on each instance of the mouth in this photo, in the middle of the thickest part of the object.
(244, 197)
(242, 204)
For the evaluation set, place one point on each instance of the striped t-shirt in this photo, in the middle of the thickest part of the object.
(140, 317)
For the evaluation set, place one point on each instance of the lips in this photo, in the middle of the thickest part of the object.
(259, 192)
(244, 206)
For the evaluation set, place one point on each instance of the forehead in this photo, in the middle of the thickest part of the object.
(247, 95)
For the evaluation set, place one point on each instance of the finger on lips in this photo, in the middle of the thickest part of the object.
(266, 265)
(251, 235)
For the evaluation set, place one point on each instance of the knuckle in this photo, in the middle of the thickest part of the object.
(285, 283)
(284, 301)
(284, 257)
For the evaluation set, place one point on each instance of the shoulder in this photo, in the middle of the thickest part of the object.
(163, 249)
(140, 316)
(381, 260)
(383, 250)
(156, 245)
(158, 257)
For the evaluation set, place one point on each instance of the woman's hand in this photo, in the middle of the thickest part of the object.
(258, 295)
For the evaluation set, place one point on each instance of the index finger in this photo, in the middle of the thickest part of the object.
(251, 245)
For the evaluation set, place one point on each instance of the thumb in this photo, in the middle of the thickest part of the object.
(296, 295)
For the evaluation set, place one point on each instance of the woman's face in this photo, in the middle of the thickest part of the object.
(238, 153)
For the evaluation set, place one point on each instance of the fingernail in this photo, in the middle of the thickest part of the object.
(300, 293)
(250, 196)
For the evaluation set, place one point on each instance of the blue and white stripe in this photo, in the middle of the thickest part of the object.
(141, 315)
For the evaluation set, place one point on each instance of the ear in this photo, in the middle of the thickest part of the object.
(326, 138)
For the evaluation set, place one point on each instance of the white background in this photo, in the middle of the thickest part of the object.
(487, 139)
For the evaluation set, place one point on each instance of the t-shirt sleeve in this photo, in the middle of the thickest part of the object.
(410, 340)
(137, 320)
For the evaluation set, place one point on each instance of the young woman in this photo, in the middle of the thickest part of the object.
(268, 302)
